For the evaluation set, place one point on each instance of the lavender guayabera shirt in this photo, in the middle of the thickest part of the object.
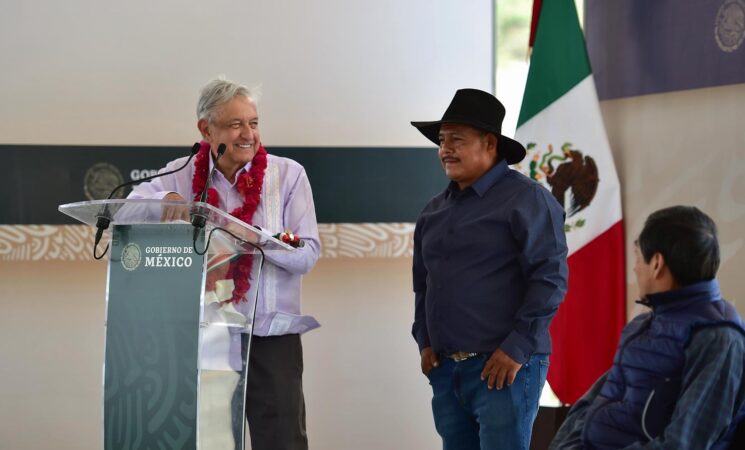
(286, 204)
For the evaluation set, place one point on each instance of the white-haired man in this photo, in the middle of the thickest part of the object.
(273, 193)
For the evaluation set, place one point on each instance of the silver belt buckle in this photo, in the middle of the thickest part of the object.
(461, 356)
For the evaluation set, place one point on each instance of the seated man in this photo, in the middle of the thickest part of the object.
(677, 377)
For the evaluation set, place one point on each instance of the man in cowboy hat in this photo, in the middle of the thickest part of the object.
(489, 274)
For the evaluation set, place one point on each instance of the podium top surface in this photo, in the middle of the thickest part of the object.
(149, 211)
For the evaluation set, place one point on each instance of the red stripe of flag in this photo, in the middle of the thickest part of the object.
(534, 21)
(586, 328)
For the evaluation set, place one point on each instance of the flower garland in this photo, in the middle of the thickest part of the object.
(249, 185)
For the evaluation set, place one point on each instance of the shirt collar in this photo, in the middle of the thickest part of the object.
(490, 178)
(487, 180)
(696, 292)
(237, 174)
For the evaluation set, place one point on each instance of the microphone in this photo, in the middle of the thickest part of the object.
(103, 219)
(198, 216)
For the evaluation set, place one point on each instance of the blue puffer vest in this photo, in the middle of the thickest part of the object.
(637, 399)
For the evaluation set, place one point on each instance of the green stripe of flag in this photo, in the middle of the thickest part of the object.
(559, 60)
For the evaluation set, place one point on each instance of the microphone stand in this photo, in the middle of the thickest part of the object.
(198, 215)
(103, 219)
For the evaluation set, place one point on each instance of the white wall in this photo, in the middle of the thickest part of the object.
(332, 72)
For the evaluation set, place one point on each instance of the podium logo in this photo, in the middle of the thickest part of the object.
(131, 256)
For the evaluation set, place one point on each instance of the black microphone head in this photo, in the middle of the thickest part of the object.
(195, 148)
(221, 149)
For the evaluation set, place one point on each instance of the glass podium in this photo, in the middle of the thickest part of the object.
(176, 347)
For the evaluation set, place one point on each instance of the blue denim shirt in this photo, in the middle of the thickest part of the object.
(489, 267)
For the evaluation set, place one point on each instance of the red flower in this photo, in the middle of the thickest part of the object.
(288, 238)
(249, 185)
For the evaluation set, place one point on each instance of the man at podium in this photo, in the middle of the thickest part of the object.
(274, 194)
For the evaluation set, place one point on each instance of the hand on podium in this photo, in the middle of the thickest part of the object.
(175, 212)
(290, 239)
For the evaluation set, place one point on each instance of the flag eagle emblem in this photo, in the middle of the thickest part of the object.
(571, 176)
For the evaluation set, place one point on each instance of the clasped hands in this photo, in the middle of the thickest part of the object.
(499, 369)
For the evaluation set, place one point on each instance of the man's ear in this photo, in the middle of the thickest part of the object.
(203, 126)
(492, 143)
(661, 273)
(659, 267)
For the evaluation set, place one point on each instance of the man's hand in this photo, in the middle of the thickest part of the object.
(174, 212)
(429, 360)
(498, 369)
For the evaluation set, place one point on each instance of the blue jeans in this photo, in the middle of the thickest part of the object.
(469, 416)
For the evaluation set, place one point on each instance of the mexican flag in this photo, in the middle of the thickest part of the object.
(568, 152)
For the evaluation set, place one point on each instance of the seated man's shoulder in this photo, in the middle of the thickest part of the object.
(720, 336)
(720, 346)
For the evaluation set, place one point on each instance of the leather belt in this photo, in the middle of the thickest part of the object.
(461, 356)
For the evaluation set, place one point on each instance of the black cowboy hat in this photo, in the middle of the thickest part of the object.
(480, 110)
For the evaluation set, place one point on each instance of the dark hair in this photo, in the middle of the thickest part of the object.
(686, 238)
